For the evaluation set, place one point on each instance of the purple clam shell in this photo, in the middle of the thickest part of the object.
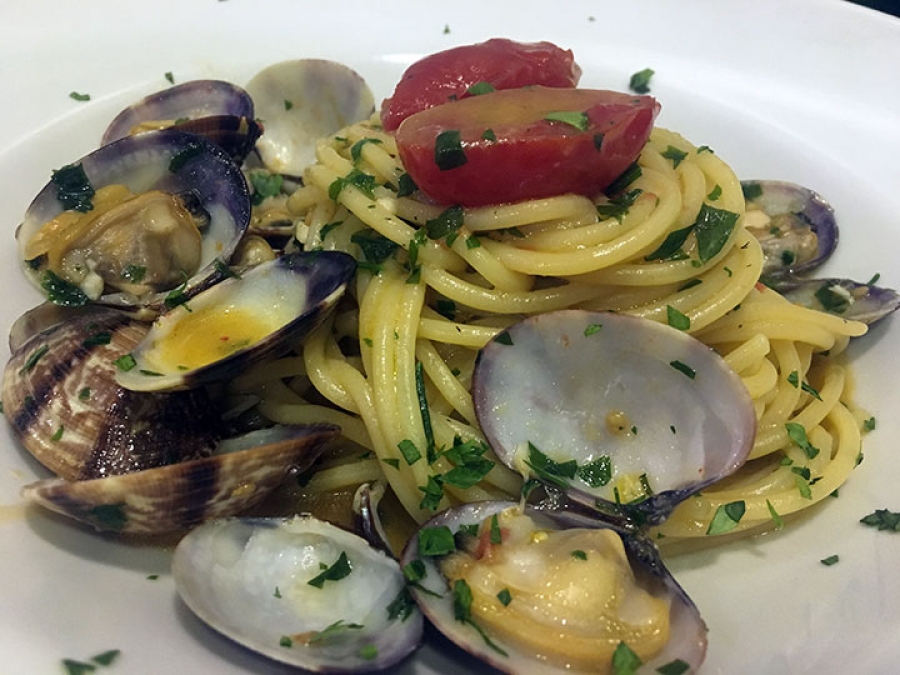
(688, 640)
(238, 609)
(584, 386)
(842, 297)
(307, 285)
(192, 100)
(809, 216)
(145, 162)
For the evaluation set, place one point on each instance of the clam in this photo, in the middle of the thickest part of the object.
(220, 111)
(241, 473)
(795, 226)
(62, 403)
(136, 222)
(302, 101)
(848, 299)
(624, 414)
(532, 591)
(300, 591)
(798, 232)
(242, 320)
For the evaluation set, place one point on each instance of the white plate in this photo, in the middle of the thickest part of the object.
(803, 90)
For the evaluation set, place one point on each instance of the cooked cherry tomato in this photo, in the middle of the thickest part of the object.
(508, 146)
(502, 64)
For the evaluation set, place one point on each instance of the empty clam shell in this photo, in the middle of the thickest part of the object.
(300, 591)
(300, 102)
(243, 471)
(612, 407)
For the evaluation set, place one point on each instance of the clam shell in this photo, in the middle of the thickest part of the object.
(144, 163)
(178, 496)
(688, 636)
(191, 100)
(240, 321)
(300, 102)
(62, 403)
(248, 579)
(630, 401)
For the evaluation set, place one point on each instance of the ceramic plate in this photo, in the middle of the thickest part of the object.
(804, 90)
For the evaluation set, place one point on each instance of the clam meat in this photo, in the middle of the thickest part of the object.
(135, 221)
(533, 591)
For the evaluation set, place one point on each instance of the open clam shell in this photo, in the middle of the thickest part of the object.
(219, 111)
(300, 591)
(624, 413)
(239, 321)
(167, 162)
(186, 101)
(300, 102)
(62, 403)
(550, 592)
(243, 471)
(846, 298)
(795, 226)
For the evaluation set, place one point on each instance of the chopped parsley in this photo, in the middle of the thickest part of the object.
(676, 319)
(97, 339)
(73, 188)
(627, 177)
(62, 292)
(556, 473)
(713, 228)
(125, 362)
(776, 517)
(578, 553)
(883, 519)
(618, 206)
(592, 328)
(339, 570)
(489, 135)
(84, 394)
(726, 518)
(574, 118)
(331, 630)
(265, 185)
(833, 297)
(505, 597)
(58, 434)
(448, 150)
(751, 190)
(625, 661)
(480, 88)
(76, 96)
(286, 641)
(425, 412)
(434, 493)
(675, 667)
(462, 611)
(671, 245)
(356, 148)
(375, 247)
(134, 273)
(504, 338)
(869, 424)
(170, 78)
(33, 359)
(830, 560)
(596, 473)
(402, 606)
(683, 368)
(640, 81)
(406, 185)
(409, 451)
(677, 156)
(797, 434)
(436, 541)
(446, 223)
(715, 194)
(358, 179)
(368, 652)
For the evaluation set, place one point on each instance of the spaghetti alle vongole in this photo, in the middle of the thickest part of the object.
(436, 284)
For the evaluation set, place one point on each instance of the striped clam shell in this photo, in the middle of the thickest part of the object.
(61, 400)
(179, 496)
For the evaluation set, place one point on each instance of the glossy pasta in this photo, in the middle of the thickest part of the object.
(418, 315)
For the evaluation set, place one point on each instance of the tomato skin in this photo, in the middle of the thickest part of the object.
(504, 64)
(531, 156)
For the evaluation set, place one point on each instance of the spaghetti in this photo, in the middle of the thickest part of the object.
(435, 285)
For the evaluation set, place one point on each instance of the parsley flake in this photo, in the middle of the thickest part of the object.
(640, 81)
(339, 570)
(882, 519)
(726, 518)
(448, 150)
(574, 118)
